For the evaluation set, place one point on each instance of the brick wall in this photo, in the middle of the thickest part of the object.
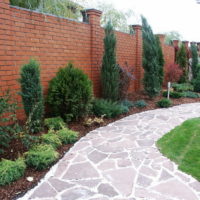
(54, 41)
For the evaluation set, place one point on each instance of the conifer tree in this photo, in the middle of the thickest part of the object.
(32, 95)
(195, 69)
(110, 71)
(161, 61)
(181, 60)
(152, 80)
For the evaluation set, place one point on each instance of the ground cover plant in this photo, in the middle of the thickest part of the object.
(181, 145)
(55, 123)
(164, 103)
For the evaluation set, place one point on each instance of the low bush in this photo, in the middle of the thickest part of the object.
(70, 93)
(11, 170)
(67, 136)
(175, 95)
(55, 123)
(164, 103)
(108, 108)
(182, 87)
(190, 94)
(52, 139)
(41, 156)
(140, 104)
(196, 83)
(127, 103)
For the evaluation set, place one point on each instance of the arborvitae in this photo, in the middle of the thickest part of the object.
(110, 71)
(32, 96)
(181, 60)
(161, 61)
(195, 69)
(152, 80)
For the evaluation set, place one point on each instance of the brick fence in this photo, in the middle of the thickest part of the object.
(54, 41)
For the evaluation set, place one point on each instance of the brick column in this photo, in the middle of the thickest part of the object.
(198, 47)
(176, 48)
(138, 52)
(93, 18)
(161, 38)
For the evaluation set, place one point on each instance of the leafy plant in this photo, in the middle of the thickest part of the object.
(11, 170)
(175, 95)
(151, 64)
(140, 104)
(55, 123)
(67, 136)
(196, 83)
(182, 87)
(127, 103)
(8, 120)
(41, 156)
(28, 140)
(32, 95)
(173, 73)
(29, 4)
(70, 93)
(110, 70)
(108, 108)
(195, 68)
(164, 103)
(190, 94)
(94, 121)
(52, 139)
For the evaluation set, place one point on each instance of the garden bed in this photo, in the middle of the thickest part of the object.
(21, 186)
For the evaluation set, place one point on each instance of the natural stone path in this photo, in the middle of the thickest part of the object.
(121, 162)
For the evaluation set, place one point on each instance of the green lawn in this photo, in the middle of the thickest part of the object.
(182, 145)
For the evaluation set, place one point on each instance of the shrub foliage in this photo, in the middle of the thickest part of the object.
(173, 73)
(195, 69)
(32, 96)
(55, 123)
(164, 103)
(67, 136)
(70, 93)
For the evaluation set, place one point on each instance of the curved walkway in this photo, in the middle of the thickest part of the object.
(121, 162)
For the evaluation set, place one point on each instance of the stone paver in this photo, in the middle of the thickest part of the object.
(121, 162)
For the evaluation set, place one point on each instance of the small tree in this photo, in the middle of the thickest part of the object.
(32, 96)
(110, 71)
(151, 65)
(181, 60)
(161, 61)
(194, 61)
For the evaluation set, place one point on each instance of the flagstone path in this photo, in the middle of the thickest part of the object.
(121, 162)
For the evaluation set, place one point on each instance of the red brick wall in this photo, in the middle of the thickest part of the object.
(54, 41)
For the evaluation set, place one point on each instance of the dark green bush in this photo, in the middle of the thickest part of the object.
(108, 108)
(11, 170)
(32, 95)
(182, 87)
(70, 93)
(196, 83)
(29, 4)
(67, 136)
(140, 104)
(55, 123)
(52, 139)
(7, 114)
(190, 94)
(41, 156)
(164, 103)
(175, 95)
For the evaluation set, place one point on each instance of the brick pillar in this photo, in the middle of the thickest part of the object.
(176, 48)
(161, 38)
(93, 18)
(198, 47)
(138, 52)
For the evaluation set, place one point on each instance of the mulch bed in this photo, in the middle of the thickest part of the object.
(18, 188)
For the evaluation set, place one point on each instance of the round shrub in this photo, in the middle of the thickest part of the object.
(55, 123)
(11, 170)
(52, 139)
(164, 103)
(67, 136)
(140, 104)
(70, 93)
(41, 156)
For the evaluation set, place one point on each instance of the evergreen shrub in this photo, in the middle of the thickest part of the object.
(67, 136)
(55, 123)
(164, 103)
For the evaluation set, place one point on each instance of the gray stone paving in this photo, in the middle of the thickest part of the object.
(121, 162)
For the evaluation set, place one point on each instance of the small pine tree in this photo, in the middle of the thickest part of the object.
(152, 80)
(161, 61)
(181, 60)
(32, 96)
(110, 77)
(194, 61)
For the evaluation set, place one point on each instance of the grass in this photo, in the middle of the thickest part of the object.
(182, 145)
